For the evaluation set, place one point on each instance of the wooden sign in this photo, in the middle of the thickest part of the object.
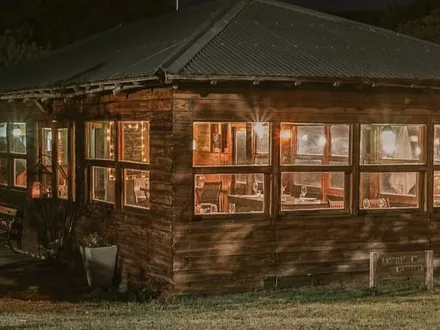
(402, 265)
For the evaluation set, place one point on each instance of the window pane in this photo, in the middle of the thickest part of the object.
(391, 144)
(103, 184)
(135, 135)
(18, 138)
(101, 140)
(20, 173)
(46, 146)
(389, 190)
(228, 144)
(229, 193)
(437, 144)
(437, 188)
(3, 171)
(63, 162)
(308, 192)
(3, 133)
(137, 188)
(314, 144)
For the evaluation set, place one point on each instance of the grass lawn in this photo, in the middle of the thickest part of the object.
(330, 307)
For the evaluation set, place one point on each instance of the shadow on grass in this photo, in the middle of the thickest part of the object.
(322, 294)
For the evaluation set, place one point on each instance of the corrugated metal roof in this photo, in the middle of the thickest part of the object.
(274, 39)
(129, 51)
(238, 38)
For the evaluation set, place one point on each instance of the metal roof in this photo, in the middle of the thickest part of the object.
(247, 38)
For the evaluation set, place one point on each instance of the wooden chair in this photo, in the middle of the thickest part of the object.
(139, 187)
(209, 196)
(336, 204)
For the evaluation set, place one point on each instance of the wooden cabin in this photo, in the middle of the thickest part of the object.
(234, 146)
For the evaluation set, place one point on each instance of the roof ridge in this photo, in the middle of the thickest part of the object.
(324, 15)
(209, 31)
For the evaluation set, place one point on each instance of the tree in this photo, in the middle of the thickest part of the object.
(426, 27)
(16, 46)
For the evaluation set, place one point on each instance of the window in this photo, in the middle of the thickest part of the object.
(315, 160)
(231, 144)
(388, 154)
(436, 179)
(127, 159)
(20, 173)
(56, 174)
(103, 184)
(244, 146)
(3, 171)
(101, 140)
(13, 164)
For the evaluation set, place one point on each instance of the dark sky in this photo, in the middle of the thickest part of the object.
(331, 5)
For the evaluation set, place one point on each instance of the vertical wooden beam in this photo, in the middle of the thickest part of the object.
(374, 257)
(355, 159)
(428, 202)
(119, 171)
(429, 274)
(275, 192)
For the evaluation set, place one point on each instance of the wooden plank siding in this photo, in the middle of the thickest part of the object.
(144, 237)
(242, 253)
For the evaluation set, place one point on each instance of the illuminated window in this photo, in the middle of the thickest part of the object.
(135, 141)
(223, 144)
(101, 140)
(17, 138)
(316, 158)
(386, 152)
(137, 188)
(3, 171)
(231, 144)
(123, 163)
(223, 193)
(103, 184)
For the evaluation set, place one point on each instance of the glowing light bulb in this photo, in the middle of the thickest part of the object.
(16, 132)
(305, 137)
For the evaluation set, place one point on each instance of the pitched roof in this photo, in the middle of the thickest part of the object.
(241, 38)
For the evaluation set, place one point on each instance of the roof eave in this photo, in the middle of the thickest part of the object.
(82, 89)
(335, 81)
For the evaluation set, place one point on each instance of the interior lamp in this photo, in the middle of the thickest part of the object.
(16, 132)
(388, 140)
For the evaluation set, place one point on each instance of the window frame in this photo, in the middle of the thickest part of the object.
(265, 170)
(10, 156)
(119, 165)
(346, 169)
(421, 168)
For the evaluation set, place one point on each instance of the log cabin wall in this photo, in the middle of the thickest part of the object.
(143, 236)
(221, 253)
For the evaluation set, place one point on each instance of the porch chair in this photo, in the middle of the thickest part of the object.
(139, 187)
(209, 196)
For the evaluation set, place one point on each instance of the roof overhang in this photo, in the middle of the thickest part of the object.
(299, 81)
(75, 90)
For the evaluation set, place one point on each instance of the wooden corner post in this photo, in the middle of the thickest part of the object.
(429, 269)
(374, 257)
